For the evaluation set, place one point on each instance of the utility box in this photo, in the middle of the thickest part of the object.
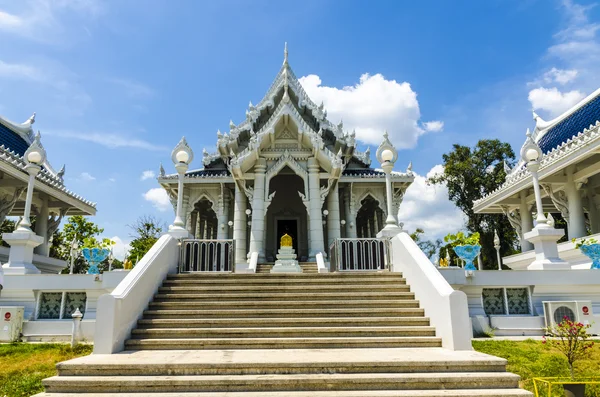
(11, 323)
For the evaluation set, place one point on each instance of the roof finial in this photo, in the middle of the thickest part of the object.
(31, 120)
(285, 54)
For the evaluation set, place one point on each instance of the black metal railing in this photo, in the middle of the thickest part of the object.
(360, 254)
(206, 256)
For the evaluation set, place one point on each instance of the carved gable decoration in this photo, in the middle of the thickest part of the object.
(287, 134)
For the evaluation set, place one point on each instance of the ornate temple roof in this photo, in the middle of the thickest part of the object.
(550, 135)
(14, 141)
(565, 139)
(285, 98)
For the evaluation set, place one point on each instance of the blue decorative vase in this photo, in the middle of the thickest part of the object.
(468, 253)
(94, 256)
(592, 251)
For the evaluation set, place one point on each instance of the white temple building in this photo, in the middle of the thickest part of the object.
(285, 169)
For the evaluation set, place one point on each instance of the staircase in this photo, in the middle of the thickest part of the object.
(307, 267)
(285, 335)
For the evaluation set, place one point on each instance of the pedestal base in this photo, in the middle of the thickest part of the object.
(546, 250)
(179, 232)
(389, 231)
(20, 257)
(286, 262)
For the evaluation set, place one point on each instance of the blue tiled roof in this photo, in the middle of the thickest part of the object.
(572, 125)
(12, 140)
(202, 173)
(360, 172)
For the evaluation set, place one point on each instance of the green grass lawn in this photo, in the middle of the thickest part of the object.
(531, 359)
(24, 365)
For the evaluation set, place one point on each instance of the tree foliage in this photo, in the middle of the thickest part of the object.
(427, 246)
(470, 174)
(86, 233)
(146, 231)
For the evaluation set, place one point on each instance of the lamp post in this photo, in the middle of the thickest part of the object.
(531, 155)
(325, 213)
(34, 158)
(543, 236)
(497, 246)
(387, 156)
(249, 215)
(74, 253)
(181, 156)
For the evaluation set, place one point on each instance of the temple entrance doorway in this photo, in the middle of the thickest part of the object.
(289, 226)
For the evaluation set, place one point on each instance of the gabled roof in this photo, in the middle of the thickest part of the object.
(551, 134)
(16, 137)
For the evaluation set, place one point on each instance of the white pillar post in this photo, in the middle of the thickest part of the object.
(76, 330)
(333, 218)
(222, 230)
(41, 227)
(526, 221)
(258, 210)
(316, 225)
(182, 156)
(350, 218)
(239, 225)
(576, 215)
(593, 211)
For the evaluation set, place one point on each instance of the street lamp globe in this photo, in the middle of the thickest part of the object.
(387, 155)
(248, 212)
(532, 155)
(35, 157)
(182, 156)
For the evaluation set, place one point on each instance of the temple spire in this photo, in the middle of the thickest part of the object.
(285, 54)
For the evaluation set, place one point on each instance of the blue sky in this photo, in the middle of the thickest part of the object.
(115, 84)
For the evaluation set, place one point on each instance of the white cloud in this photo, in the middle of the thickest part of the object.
(159, 199)
(560, 76)
(428, 207)
(109, 140)
(370, 107)
(433, 126)
(120, 248)
(112, 180)
(147, 175)
(86, 177)
(554, 101)
(43, 20)
(21, 71)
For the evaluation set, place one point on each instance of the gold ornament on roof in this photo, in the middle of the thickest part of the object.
(286, 240)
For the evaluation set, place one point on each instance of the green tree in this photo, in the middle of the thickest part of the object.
(470, 174)
(145, 232)
(427, 246)
(7, 226)
(86, 233)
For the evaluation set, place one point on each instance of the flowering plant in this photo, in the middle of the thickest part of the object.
(569, 338)
(584, 241)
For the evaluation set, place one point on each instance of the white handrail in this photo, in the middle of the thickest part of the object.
(253, 262)
(446, 308)
(119, 311)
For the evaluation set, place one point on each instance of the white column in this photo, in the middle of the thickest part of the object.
(576, 215)
(333, 218)
(593, 211)
(258, 210)
(526, 221)
(41, 227)
(350, 218)
(239, 225)
(316, 225)
(222, 227)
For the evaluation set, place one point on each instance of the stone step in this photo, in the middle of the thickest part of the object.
(288, 382)
(334, 297)
(286, 332)
(281, 343)
(348, 393)
(287, 281)
(349, 289)
(254, 276)
(266, 304)
(283, 322)
(333, 312)
(256, 361)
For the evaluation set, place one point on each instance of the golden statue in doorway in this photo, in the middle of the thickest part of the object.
(286, 240)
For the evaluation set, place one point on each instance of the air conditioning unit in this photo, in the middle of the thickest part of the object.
(11, 323)
(579, 311)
